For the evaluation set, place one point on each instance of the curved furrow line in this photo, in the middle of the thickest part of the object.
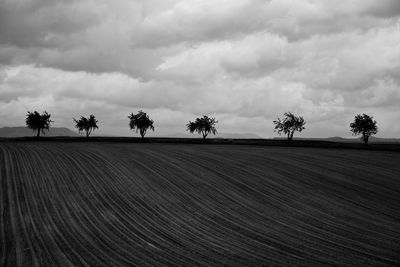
(30, 230)
(3, 208)
(15, 203)
(13, 173)
(252, 174)
(375, 231)
(241, 229)
(352, 166)
(327, 199)
(280, 222)
(146, 229)
(85, 204)
(41, 189)
(368, 179)
(358, 250)
(6, 224)
(142, 236)
(366, 212)
(371, 245)
(48, 192)
(314, 174)
(93, 208)
(46, 211)
(157, 174)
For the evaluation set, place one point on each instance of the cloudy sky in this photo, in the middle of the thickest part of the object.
(244, 62)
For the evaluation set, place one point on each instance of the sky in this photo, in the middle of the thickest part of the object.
(244, 62)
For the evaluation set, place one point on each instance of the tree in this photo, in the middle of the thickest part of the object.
(86, 124)
(365, 125)
(203, 126)
(38, 122)
(140, 122)
(289, 125)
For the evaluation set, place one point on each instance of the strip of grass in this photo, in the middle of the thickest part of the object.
(219, 141)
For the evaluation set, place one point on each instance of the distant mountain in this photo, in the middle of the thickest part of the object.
(23, 131)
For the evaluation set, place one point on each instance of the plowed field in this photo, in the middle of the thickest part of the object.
(116, 204)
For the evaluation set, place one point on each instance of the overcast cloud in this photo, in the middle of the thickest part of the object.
(244, 62)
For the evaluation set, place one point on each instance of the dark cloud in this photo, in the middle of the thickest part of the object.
(245, 61)
(383, 9)
(35, 23)
(198, 21)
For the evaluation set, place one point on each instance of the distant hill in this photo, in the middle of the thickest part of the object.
(237, 136)
(23, 131)
(372, 139)
(219, 135)
(338, 139)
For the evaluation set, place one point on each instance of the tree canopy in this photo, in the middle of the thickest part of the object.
(289, 124)
(38, 122)
(86, 124)
(203, 126)
(140, 122)
(364, 125)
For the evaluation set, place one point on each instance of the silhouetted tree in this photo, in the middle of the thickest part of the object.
(38, 122)
(203, 126)
(86, 124)
(365, 125)
(140, 122)
(289, 125)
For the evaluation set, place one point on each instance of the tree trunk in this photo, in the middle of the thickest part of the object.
(88, 132)
(38, 133)
(142, 132)
(290, 136)
(204, 138)
(365, 139)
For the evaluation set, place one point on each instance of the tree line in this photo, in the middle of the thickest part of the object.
(363, 125)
